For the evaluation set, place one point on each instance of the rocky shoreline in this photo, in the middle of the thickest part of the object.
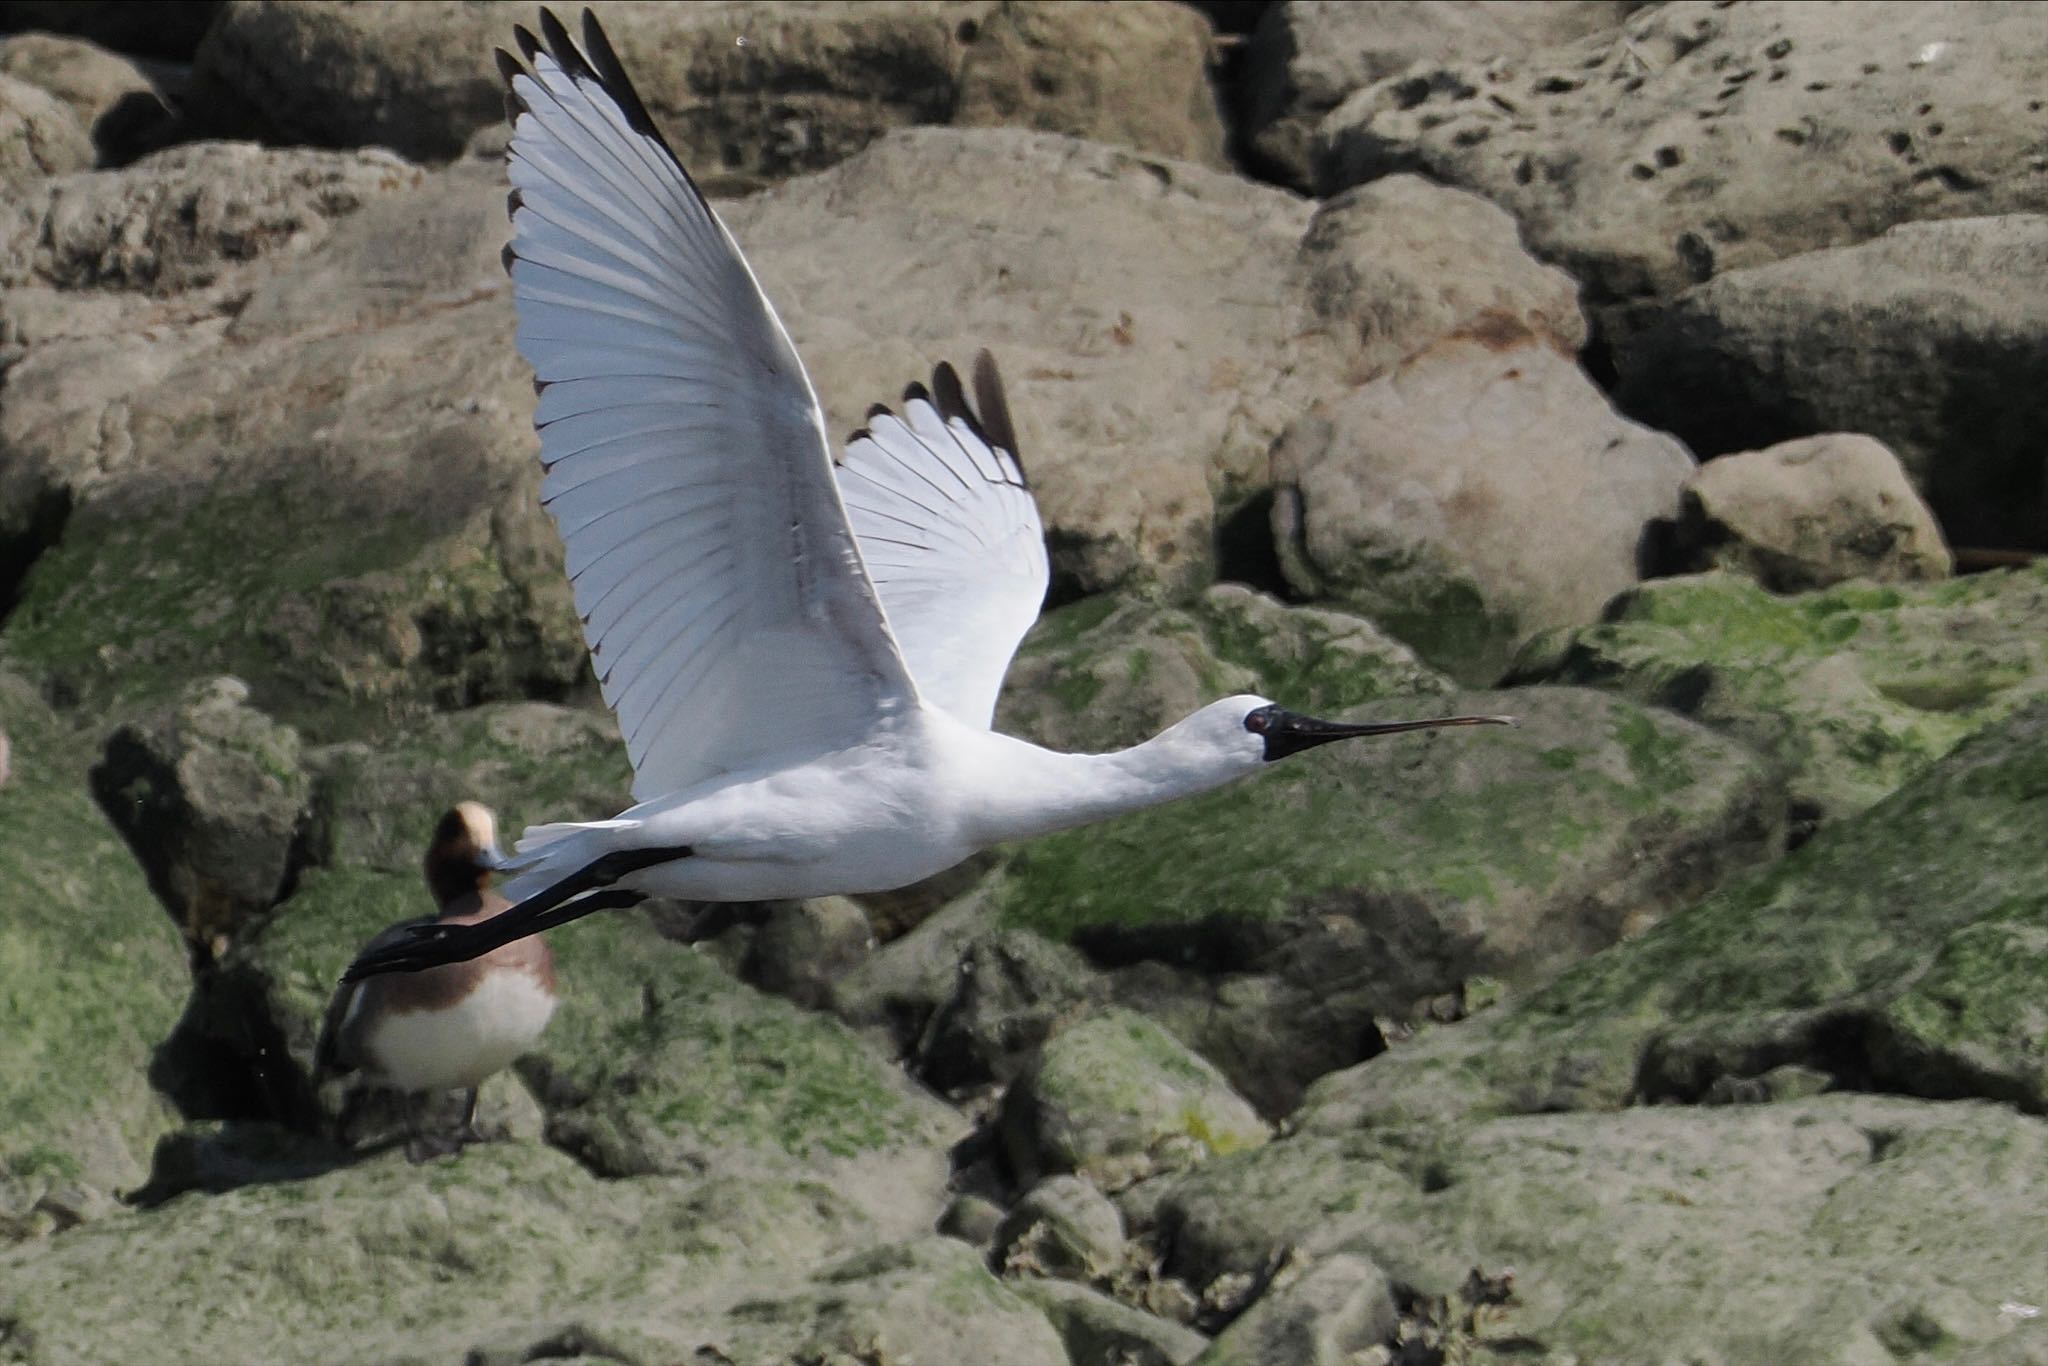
(1672, 375)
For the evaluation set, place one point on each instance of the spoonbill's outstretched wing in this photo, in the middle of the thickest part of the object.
(721, 589)
(950, 534)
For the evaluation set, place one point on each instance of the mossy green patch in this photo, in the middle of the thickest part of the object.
(1917, 930)
(92, 977)
(1486, 819)
(339, 620)
(1853, 688)
(659, 1061)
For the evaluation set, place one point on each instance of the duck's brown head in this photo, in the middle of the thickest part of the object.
(462, 853)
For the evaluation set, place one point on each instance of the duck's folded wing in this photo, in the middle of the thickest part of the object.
(728, 615)
(950, 535)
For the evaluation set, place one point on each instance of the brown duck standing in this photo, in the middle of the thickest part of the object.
(446, 1028)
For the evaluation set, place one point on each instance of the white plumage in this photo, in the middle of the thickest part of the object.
(804, 663)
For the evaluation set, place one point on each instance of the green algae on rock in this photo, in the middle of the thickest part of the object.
(91, 979)
(1852, 689)
(1115, 1098)
(1897, 950)
(1531, 846)
(505, 1247)
(1835, 1228)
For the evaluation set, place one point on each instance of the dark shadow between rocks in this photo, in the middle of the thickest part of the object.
(229, 1155)
(1246, 551)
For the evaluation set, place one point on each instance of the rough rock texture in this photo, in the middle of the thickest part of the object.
(1097, 1328)
(544, 1261)
(1841, 1228)
(179, 219)
(1809, 514)
(1102, 674)
(1897, 950)
(1389, 268)
(1703, 137)
(1437, 858)
(40, 135)
(91, 977)
(1117, 1099)
(1481, 492)
(1932, 338)
(1849, 691)
(1063, 1226)
(1341, 1306)
(335, 490)
(1133, 75)
(117, 104)
(746, 95)
(1089, 272)
(212, 797)
(168, 29)
(1306, 56)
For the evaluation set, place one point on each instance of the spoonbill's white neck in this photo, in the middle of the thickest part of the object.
(1028, 791)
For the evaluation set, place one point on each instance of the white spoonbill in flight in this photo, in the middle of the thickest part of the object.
(803, 655)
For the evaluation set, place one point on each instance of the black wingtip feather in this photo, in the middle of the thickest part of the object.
(995, 406)
(914, 392)
(876, 410)
(563, 48)
(529, 46)
(948, 397)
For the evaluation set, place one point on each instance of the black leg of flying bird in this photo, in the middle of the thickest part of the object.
(430, 945)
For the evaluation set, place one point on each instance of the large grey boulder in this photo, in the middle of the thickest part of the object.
(1836, 1228)
(1705, 137)
(1933, 338)
(1808, 514)
(212, 797)
(1388, 269)
(1306, 56)
(746, 95)
(1340, 1307)
(1849, 691)
(1078, 265)
(1479, 493)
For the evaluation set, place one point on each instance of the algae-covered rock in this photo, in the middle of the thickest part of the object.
(1339, 1307)
(212, 797)
(1063, 1226)
(1897, 949)
(1116, 1099)
(91, 979)
(1838, 1228)
(1108, 672)
(1850, 690)
(496, 1252)
(1531, 845)
(1097, 1328)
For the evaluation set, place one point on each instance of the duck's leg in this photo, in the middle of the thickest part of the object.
(466, 1133)
(575, 896)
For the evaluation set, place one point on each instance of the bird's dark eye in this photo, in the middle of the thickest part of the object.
(1257, 721)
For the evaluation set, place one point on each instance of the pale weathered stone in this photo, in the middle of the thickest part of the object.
(1307, 55)
(40, 135)
(1933, 338)
(1810, 513)
(1481, 492)
(1705, 137)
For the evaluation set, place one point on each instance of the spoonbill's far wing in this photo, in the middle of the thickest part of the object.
(950, 535)
(721, 589)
